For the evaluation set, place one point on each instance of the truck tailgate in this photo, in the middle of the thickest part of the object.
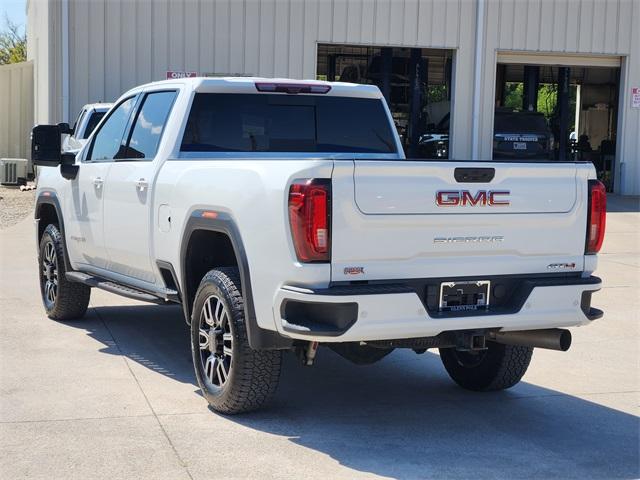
(523, 218)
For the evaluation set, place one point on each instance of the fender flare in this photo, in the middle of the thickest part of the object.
(49, 197)
(259, 338)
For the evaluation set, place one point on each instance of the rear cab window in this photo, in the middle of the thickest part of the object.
(277, 123)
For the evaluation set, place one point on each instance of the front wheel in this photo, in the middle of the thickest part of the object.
(497, 368)
(233, 377)
(63, 300)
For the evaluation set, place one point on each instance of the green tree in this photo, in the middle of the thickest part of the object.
(436, 93)
(547, 99)
(513, 95)
(13, 44)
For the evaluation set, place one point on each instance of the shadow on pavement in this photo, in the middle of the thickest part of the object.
(403, 417)
(154, 336)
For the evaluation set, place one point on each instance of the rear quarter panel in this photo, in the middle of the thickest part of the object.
(254, 192)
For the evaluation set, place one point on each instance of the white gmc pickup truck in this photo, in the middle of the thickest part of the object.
(283, 215)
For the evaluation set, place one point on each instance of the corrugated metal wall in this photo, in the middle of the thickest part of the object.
(134, 42)
(117, 44)
(16, 109)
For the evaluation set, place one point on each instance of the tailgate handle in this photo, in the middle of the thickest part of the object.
(474, 175)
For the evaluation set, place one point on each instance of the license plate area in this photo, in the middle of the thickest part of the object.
(461, 296)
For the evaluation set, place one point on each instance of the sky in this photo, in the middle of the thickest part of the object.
(15, 10)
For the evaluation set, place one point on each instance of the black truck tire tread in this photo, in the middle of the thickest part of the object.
(502, 367)
(72, 298)
(512, 368)
(256, 373)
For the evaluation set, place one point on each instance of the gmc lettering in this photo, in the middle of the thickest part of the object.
(463, 198)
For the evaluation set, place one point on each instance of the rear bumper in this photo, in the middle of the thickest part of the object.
(393, 311)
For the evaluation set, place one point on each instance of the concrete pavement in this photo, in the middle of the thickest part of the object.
(114, 396)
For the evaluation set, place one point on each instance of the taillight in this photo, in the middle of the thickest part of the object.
(596, 216)
(309, 219)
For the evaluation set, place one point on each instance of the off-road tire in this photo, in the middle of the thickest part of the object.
(253, 374)
(499, 368)
(71, 298)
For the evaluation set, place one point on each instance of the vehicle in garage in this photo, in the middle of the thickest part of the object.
(435, 143)
(518, 135)
(522, 135)
(283, 215)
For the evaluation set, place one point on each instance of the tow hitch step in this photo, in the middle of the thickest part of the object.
(119, 289)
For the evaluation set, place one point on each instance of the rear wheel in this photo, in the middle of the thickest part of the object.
(233, 377)
(497, 368)
(63, 300)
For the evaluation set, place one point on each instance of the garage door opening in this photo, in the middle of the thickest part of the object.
(416, 83)
(548, 112)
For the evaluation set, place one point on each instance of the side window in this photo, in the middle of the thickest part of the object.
(92, 123)
(149, 124)
(107, 141)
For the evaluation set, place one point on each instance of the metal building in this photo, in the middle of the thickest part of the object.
(16, 109)
(445, 66)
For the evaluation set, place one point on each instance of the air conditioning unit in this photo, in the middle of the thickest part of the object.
(13, 171)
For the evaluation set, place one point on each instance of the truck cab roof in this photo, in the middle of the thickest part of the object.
(249, 85)
(98, 107)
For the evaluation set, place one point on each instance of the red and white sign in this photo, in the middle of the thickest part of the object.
(172, 75)
(635, 97)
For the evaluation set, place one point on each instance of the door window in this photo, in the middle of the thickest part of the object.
(149, 124)
(92, 123)
(107, 141)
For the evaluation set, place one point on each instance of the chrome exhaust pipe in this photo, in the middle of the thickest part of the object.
(552, 339)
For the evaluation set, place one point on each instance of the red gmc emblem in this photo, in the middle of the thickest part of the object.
(464, 198)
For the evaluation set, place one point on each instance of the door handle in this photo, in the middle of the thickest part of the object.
(142, 184)
(97, 182)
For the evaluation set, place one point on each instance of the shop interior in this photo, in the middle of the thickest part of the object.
(542, 112)
(557, 113)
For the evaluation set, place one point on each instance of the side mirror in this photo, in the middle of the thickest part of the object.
(65, 129)
(68, 167)
(45, 145)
